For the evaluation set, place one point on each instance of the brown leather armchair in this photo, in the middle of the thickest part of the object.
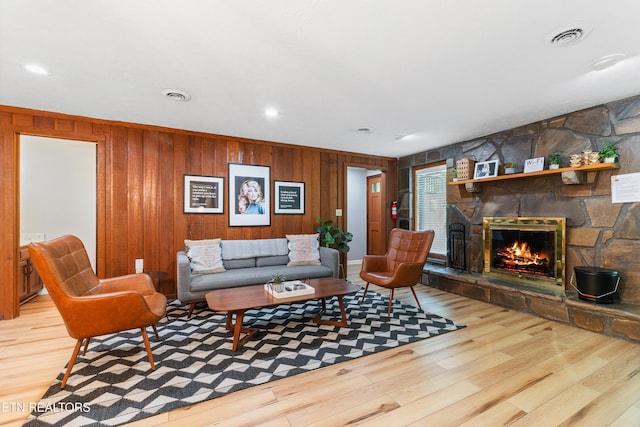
(402, 265)
(90, 306)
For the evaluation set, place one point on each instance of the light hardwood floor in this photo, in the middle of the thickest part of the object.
(505, 368)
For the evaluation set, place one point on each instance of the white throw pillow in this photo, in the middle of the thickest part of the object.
(205, 256)
(303, 249)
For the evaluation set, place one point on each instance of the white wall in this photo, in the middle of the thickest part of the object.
(58, 190)
(357, 211)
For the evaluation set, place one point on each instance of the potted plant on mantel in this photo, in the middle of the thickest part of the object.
(609, 153)
(510, 168)
(554, 160)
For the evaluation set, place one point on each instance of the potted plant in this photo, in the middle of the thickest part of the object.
(609, 153)
(554, 160)
(333, 237)
(510, 168)
(277, 282)
(454, 174)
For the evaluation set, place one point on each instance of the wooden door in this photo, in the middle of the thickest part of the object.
(375, 212)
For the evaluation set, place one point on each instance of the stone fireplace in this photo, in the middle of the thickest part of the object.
(598, 233)
(525, 250)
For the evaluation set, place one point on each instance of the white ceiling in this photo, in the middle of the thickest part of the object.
(439, 71)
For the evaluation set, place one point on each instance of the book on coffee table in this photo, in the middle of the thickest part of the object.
(291, 288)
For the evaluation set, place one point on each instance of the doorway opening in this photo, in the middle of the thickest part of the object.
(366, 207)
(58, 192)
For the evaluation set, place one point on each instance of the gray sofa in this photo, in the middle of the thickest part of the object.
(250, 262)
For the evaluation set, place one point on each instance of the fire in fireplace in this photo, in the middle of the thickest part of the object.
(525, 249)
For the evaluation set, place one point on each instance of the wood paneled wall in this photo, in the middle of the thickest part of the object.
(140, 189)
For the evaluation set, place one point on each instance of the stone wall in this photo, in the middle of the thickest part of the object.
(599, 233)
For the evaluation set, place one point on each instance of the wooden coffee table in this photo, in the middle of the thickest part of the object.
(238, 300)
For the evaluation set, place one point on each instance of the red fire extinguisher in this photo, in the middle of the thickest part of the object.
(394, 209)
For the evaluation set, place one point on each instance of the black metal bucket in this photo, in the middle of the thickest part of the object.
(594, 284)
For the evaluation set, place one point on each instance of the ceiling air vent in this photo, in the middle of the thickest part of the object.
(176, 95)
(567, 37)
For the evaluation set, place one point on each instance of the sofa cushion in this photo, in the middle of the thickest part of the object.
(204, 256)
(231, 264)
(255, 276)
(238, 249)
(272, 260)
(303, 249)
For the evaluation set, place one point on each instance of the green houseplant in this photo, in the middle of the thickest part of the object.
(454, 174)
(333, 237)
(609, 153)
(510, 167)
(276, 282)
(278, 278)
(554, 160)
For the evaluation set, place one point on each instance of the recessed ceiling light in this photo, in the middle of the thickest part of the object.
(399, 136)
(271, 113)
(365, 130)
(607, 61)
(176, 95)
(36, 69)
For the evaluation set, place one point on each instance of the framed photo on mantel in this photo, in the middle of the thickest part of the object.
(486, 169)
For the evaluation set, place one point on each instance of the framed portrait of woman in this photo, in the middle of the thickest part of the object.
(249, 198)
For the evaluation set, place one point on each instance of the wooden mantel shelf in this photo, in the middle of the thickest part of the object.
(588, 168)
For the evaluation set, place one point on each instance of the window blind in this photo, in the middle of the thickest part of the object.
(431, 204)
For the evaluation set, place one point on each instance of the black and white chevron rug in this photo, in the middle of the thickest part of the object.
(113, 383)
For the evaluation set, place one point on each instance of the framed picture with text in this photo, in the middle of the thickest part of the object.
(249, 199)
(289, 197)
(203, 194)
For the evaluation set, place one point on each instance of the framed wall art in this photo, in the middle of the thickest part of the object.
(249, 199)
(203, 194)
(486, 169)
(289, 197)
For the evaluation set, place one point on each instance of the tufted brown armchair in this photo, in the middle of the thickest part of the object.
(402, 265)
(90, 306)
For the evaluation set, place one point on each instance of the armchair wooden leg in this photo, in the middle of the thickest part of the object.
(86, 346)
(148, 347)
(156, 331)
(76, 349)
(415, 296)
(364, 293)
(390, 302)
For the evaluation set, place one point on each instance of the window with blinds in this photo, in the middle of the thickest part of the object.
(431, 204)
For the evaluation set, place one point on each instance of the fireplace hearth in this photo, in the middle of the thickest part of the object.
(528, 250)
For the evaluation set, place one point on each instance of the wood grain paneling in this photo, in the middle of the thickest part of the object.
(140, 189)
